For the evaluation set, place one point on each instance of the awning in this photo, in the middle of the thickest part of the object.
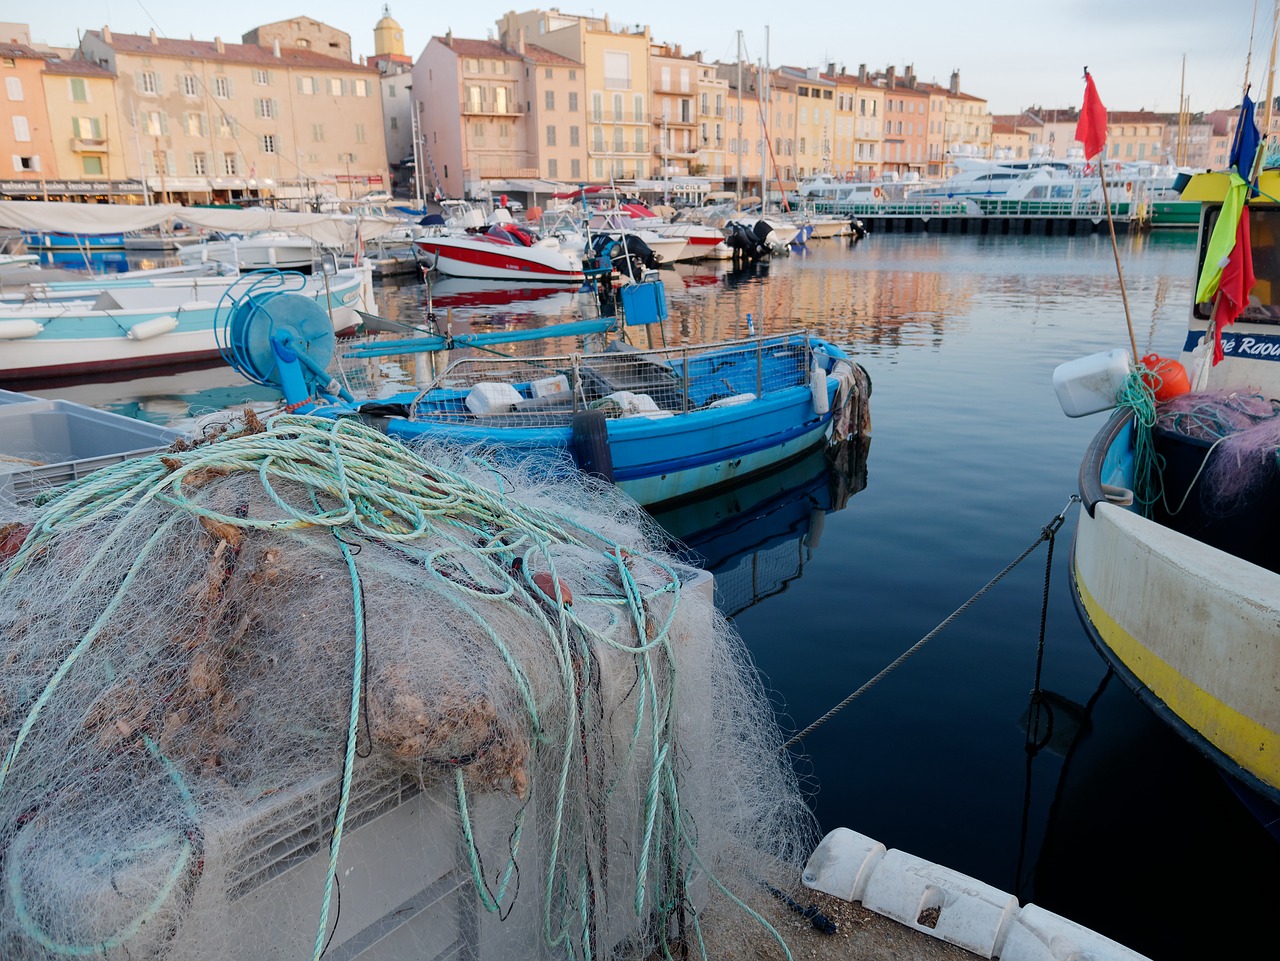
(28, 188)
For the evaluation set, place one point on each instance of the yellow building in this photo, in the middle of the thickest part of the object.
(558, 116)
(88, 144)
(815, 122)
(616, 76)
(212, 120)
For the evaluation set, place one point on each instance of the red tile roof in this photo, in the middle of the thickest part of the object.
(78, 68)
(478, 48)
(543, 55)
(231, 52)
(15, 50)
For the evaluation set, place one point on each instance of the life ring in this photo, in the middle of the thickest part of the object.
(1128, 188)
(876, 193)
(937, 205)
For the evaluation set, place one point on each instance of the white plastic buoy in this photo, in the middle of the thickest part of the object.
(146, 329)
(17, 329)
(818, 386)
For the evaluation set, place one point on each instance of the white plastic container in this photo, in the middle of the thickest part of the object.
(550, 386)
(487, 398)
(1089, 384)
(636, 405)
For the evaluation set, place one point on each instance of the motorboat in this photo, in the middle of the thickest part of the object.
(254, 251)
(503, 252)
(1175, 570)
(662, 424)
(74, 328)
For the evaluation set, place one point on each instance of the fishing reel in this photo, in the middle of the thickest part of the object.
(276, 336)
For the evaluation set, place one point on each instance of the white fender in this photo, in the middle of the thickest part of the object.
(146, 329)
(818, 387)
(18, 329)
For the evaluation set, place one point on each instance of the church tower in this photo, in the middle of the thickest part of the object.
(388, 37)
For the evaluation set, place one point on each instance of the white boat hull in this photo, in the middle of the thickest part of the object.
(483, 259)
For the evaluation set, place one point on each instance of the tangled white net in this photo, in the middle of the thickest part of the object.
(303, 691)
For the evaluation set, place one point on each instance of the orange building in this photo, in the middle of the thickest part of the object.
(26, 140)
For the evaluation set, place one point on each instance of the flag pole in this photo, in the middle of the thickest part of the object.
(1115, 248)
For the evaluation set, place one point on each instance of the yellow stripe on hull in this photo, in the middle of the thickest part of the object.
(1204, 640)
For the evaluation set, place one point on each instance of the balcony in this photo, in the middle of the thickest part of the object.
(674, 152)
(89, 144)
(675, 122)
(606, 116)
(472, 108)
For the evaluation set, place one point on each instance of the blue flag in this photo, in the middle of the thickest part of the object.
(1245, 146)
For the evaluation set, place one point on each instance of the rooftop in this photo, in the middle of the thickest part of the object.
(230, 52)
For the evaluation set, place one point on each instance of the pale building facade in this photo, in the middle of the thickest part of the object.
(815, 122)
(616, 75)
(968, 121)
(212, 120)
(302, 33)
(905, 123)
(675, 111)
(557, 113)
(472, 102)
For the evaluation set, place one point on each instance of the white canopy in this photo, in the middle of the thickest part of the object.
(331, 230)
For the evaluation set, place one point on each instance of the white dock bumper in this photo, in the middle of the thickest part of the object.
(945, 904)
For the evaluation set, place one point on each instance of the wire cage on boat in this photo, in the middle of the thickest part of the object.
(620, 381)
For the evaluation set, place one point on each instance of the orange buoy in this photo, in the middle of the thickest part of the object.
(1170, 378)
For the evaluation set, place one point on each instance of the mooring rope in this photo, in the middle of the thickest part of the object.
(1046, 534)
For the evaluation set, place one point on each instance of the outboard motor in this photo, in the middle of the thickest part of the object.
(743, 242)
(857, 229)
(631, 256)
(768, 239)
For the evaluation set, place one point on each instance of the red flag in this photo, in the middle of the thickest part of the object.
(1237, 281)
(1091, 129)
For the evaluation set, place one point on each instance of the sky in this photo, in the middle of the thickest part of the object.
(1014, 53)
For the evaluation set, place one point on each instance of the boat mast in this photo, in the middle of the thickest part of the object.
(1271, 72)
(1180, 156)
(764, 187)
(741, 153)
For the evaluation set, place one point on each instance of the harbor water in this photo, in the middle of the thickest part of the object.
(1103, 815)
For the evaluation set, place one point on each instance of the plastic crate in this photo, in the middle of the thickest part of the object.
(45, 443)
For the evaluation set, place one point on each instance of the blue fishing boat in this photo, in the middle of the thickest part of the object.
(663, 424)
(58, 240)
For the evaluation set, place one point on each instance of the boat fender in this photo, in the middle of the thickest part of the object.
(590, 429)
(818, 387)
(146, 329)
(1167, 377)
(18, 329)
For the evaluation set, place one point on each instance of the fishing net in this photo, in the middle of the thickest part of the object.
(302, 691)
(1240, 439)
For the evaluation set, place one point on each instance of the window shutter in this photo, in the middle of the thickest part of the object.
(159, 82)
(299, 79)
(17, 162)
(75, 128)
(257, 107)
(275, 108)
(137, 80)
(35, 162)
(230, 91)
(171, 167)
(164, 123)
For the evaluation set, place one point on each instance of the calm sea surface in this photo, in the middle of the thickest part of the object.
(1113, 822)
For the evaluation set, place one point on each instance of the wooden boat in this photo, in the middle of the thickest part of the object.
(1176, 570)
(663, 424)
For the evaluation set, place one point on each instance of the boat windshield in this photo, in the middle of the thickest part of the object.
(1264, 233)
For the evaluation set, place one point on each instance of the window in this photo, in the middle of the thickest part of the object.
(261, 77)
(147, 81)
(638, 103)
(230, 164)
(200, 164)
(26, 163)
(264, 107)
(573, 75)
(349, 158)
(573, 136)
(77, 89)
(391, 90)
(195, 125)
(619, 141)
(394, 122)
(268, 143)
(335, 86)
(155, 123)
(573, 101)
(575, 169)
(92, 166)
(222, 88)
(639, 139)
(504, 131)
(551, 135)
(190, 85)
(550, 100)
(360, 133)
(306, 85)
(617, 70)
(227, 126)
(597, 106)
(21, 129)
(360, 88)
(547, 73)
(553, 170)
(86, 128)
(597, 138)
(317, 132)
